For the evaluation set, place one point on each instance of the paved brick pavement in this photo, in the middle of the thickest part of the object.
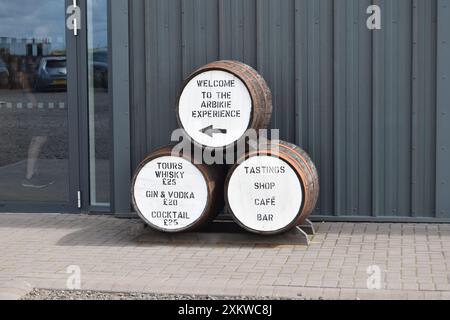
(113, 255)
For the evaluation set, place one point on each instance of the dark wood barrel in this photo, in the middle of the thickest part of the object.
(272, 190)
(172, 194)
(221, 100)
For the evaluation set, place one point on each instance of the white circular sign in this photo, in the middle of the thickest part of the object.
(171, 193)
(265, 194)
(215, 108)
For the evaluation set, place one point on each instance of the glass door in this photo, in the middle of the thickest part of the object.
(39, 165)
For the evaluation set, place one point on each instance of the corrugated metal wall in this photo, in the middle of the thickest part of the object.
(362, 103)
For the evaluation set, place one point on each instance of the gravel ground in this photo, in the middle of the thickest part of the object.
(42, 294)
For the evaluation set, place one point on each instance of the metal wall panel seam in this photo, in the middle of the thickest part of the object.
(351, 103)
(249, 39)
(138, 82)
(287, 16)
(314, 76)
(415, 156)
(151, 75)
(121, 106)
(339, 53)
(326, 125)
(443, 111)
(273, 67)
(378, 128)
(424, 111)
(364, 118)
(390, 84)
(430, 49)
(173, 13)
(222, 33)
(299, 114)
(403, 149)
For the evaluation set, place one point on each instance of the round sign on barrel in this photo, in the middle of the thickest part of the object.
(270, 191)
(172, 194)
(215, 108)
(265, 193)
(221, 100)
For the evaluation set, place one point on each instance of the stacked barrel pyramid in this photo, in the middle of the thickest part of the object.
(269, 190)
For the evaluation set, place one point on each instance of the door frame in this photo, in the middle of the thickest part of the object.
(83, 113)
(119, 110)
(78, 116)
(83, 110)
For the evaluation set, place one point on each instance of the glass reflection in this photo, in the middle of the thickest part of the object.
(99, 103)
(33, 101)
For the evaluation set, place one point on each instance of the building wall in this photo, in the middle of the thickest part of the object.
(362, 103)
(19, 47)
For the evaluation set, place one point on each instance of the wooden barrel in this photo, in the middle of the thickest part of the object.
(272, 190)
(220, 101)
(172, 194)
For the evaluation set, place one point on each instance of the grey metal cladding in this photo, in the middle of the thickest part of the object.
(363, 103)
(443, 111)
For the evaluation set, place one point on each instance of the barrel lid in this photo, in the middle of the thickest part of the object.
(215, 108)
(265, 194)
(170, 193)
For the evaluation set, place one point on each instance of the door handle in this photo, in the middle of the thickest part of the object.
(73, 21)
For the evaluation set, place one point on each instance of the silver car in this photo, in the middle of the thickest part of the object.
(51, 73)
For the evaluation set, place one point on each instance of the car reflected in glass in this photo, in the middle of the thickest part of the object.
(51, 74)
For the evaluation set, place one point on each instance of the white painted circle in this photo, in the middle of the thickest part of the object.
(171, 193)
(265, 194)
(215, 108)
